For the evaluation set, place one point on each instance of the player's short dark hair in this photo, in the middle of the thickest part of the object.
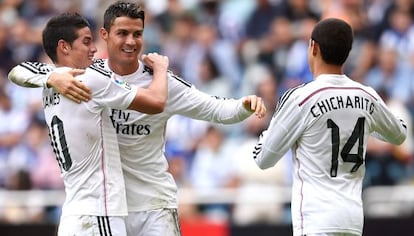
(121, 8)
(64, 26)
(335, 38)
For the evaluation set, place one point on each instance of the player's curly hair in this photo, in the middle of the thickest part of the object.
(335, 38)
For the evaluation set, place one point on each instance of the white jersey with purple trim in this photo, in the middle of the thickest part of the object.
(326, 123)
(141, 136)
(86, 145)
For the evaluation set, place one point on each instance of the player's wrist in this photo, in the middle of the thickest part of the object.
(46, 81)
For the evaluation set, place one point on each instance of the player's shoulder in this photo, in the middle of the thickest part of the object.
(363, 88)
(36, 67)
(99, 63)
(290, 96)
(366, 88)
(99, 67)
(294, 93)
(174, 78)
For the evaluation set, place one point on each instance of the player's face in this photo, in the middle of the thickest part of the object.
(124, 44)
(83, 49)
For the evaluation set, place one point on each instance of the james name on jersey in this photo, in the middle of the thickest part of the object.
(51, 100)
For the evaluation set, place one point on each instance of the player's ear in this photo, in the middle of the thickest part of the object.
(314, 47)
(63, 46)
(103, 33)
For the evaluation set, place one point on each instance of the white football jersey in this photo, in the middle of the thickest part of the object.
(141, 136)
(326, 123)
(85, 143)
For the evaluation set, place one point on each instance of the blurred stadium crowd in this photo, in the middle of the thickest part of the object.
(226, 48)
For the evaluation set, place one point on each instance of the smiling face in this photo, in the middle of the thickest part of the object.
(82, 50)
(124, 43)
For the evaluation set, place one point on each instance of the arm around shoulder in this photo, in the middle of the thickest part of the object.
(30, 74)
(152, 100)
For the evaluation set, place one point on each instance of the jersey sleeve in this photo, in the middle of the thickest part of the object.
(187, 100)
(30, 74)
(107, 91)
(284, 129)
(387, 127)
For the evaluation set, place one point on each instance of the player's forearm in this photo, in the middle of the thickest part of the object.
(401, 134)
(152, 100)
(228, 111)
(391, 129)
(275, 142)
(159, 87)
(237, 114)
(26, 79)
(394, 134)
(30, 74)
(262, 155)
(155, 96)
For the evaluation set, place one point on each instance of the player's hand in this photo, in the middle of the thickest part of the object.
(156, 61)
(255, 104)
(68, 86)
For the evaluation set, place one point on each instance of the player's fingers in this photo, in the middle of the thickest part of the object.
(71, 97)
(147, 60)
(256, 102)
(260, 108)
(253, 103)
(81, 91)
(82, 95)
(82, 88)
(78, 91)
(263, 110)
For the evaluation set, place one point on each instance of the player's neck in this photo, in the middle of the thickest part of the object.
(65, 64)
(121, 69)
(328, 69)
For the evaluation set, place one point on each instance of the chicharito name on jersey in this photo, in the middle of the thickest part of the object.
(342, 102)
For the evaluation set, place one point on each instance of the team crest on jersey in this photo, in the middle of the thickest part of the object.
(123, 84)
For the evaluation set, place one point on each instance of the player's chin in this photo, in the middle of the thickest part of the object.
(89, 62)
(84, 64)
(129, 59)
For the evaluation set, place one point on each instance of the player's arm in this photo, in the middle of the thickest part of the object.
(36, 74)
(30, 74)
(68, 86)
(283, 131)
(388, 127)
(152, 100)
(188, 101)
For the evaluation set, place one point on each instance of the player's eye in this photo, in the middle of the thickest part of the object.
(123, 33)
(137, 34)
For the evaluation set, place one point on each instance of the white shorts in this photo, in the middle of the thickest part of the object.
(92, 225)
(153, 223)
